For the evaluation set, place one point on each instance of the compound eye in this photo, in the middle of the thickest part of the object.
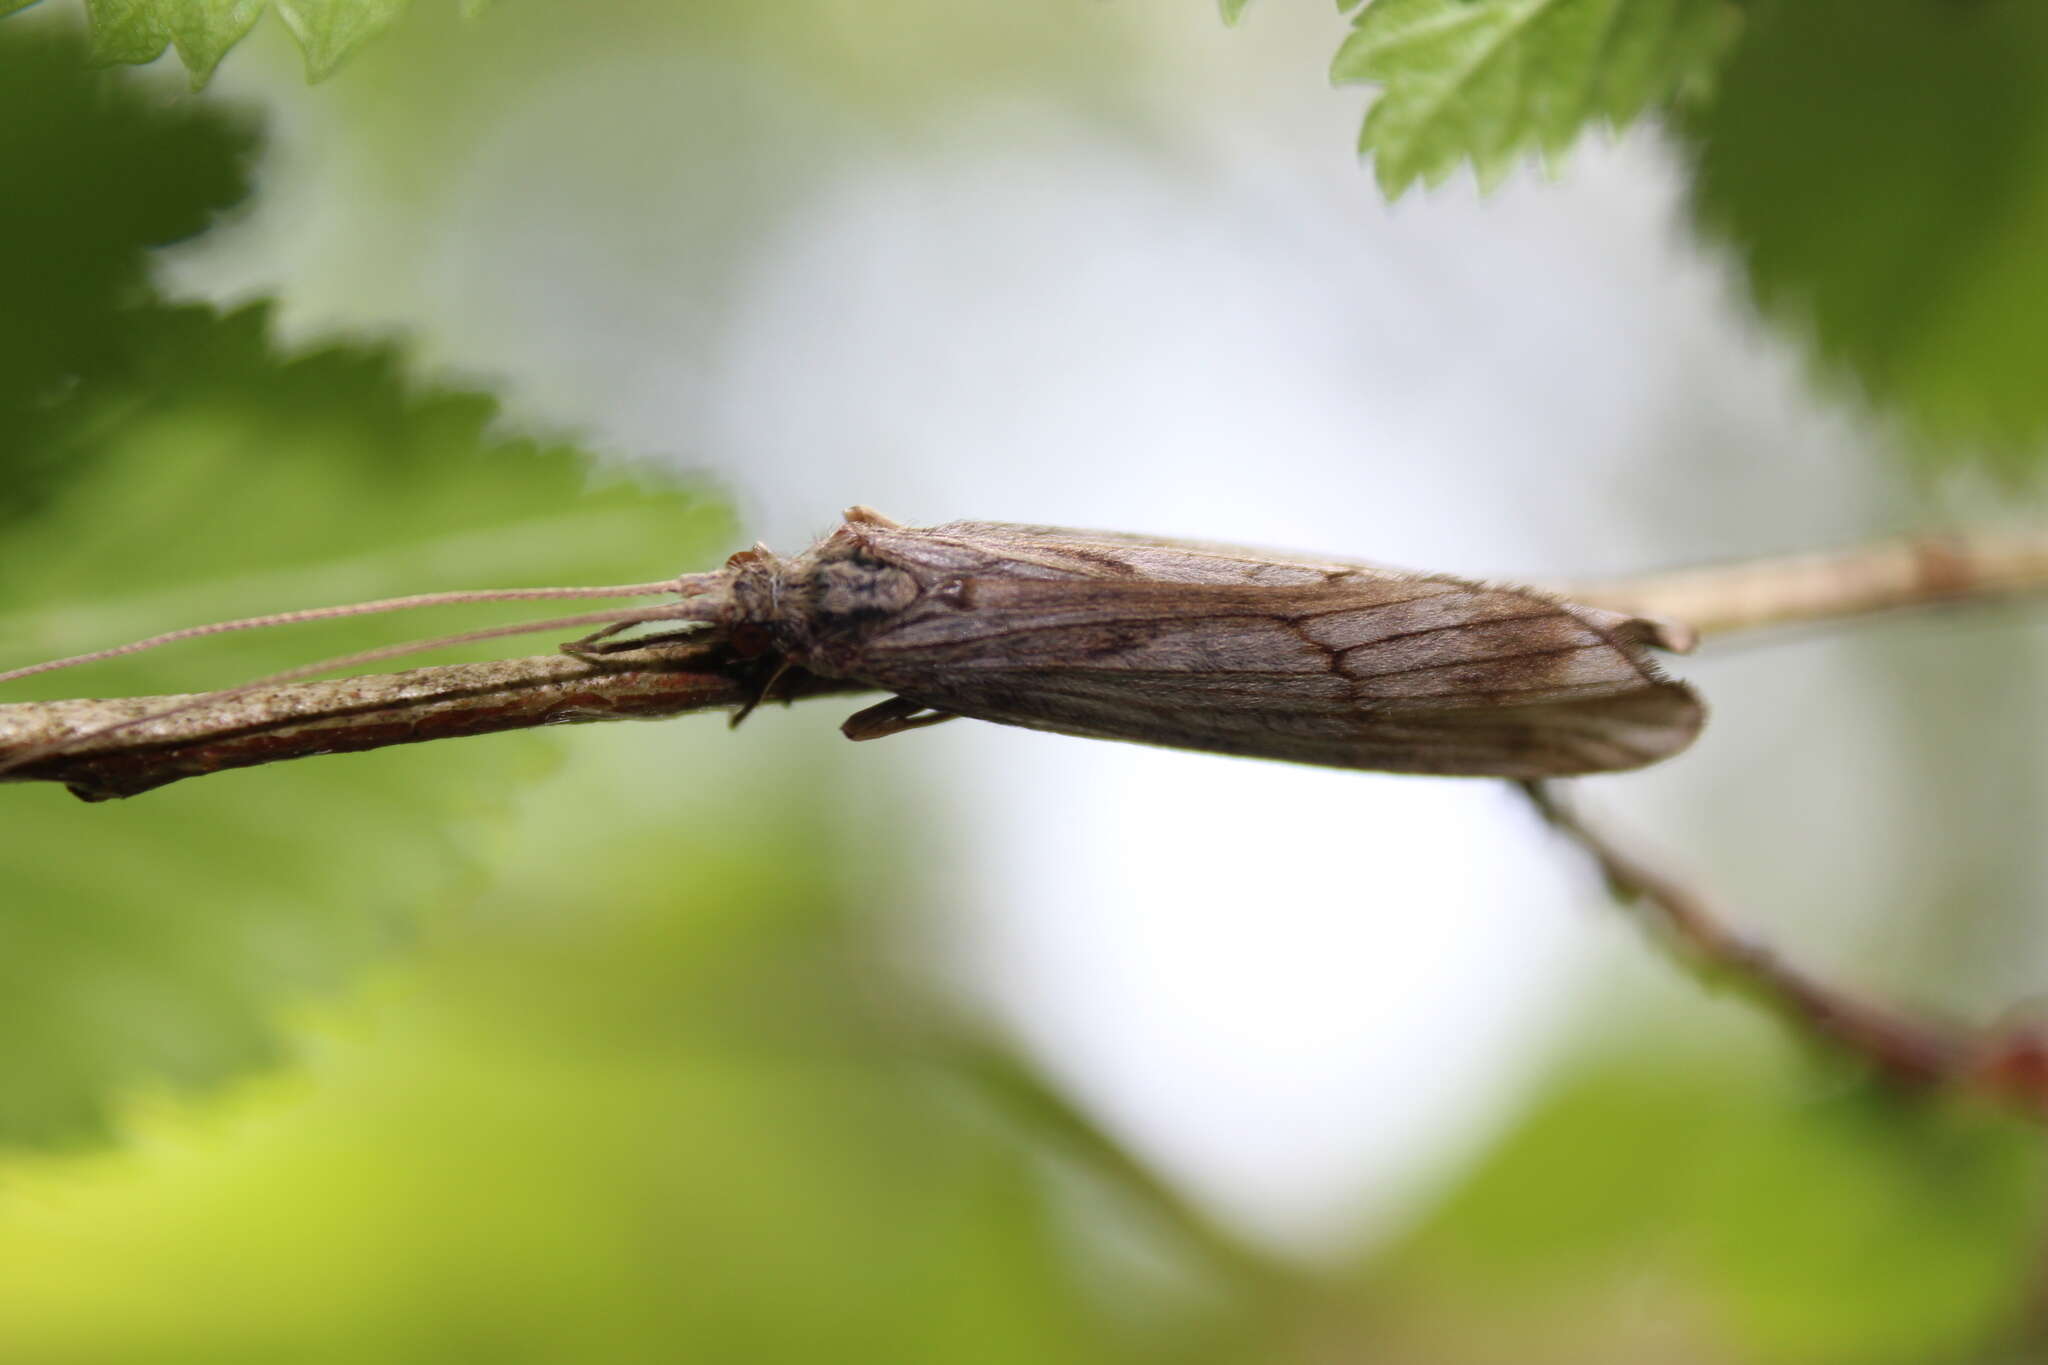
(750, 640)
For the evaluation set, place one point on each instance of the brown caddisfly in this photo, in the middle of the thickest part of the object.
(1111, 636)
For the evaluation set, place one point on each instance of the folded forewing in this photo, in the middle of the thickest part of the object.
(1403, 674)
(1058, 551)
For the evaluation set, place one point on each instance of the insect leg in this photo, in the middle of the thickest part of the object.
(767, 691)
(585, 646)
(590, 650)
(891, 717)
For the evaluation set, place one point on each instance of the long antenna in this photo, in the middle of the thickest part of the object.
(683, 585)
(677, 611)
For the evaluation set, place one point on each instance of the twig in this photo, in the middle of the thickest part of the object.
(348, 715)
(296, 720)
(2009, 1065)
(1835, 585)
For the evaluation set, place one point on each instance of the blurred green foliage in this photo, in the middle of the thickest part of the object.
(1881, 166)
(659, 1100)
(646, 1091)
(652, 1080)
(1876, 163)
(160, 461)
(1680, 1203)
(97, 175)
(328, 31)
(1492, 83)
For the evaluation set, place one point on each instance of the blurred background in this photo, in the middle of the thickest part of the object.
(647, 1042)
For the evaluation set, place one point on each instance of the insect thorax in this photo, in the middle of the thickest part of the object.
(824, 602)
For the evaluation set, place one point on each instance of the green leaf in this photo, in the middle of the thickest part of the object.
(204, 30)
(135, 31)
(1490, 81)
(127, 30)
(169, 464)
(1756, 1208)
(198, 476)
(667, 1086)
(1881, 166)
(1233, 10)
(111, 171)
(329, 31)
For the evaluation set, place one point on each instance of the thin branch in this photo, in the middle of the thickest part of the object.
(297, 720)
(349, 715)
(1835, 585)
(2010, 1065)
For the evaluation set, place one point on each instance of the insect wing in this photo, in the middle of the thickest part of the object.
(1376, 671)
(1007, 549)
